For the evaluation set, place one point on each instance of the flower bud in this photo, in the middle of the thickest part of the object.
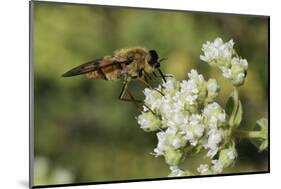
(213, 90)
(171, 86)
(202, 92)
(176, 172)
(217, 166)
(194, 130)
(176, 141)
(227, 156)
(203, 169)
(173, 157)
(153, 99)
(149, 122)
(238, 75)
(214, 115)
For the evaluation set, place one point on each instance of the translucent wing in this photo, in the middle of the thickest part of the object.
(94, 65)
(86, 67)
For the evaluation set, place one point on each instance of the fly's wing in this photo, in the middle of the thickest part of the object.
(88, 67)
(94, 65)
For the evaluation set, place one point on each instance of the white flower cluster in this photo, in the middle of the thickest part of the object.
(226, 158)
(186, 117)
(224, 56)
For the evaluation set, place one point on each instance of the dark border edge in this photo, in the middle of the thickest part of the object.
(31, 97)
(268, 80)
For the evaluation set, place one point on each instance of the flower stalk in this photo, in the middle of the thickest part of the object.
(249, 134)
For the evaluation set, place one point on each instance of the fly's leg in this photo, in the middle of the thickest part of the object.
(125, 89)
(148, 85)
(131, 99)
(147, 76)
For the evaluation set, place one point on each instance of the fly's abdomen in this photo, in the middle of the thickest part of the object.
(107, 73)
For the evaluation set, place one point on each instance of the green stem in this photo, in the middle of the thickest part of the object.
(236, 101)
(247, 134)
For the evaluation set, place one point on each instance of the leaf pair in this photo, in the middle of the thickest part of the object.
(262, 142)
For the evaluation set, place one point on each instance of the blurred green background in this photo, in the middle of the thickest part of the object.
(83, 133)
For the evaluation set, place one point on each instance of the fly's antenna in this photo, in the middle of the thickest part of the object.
(162, 59)
(162, 75)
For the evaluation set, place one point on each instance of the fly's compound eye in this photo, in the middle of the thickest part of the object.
(157, 65)
(153, 58)
(154, 55)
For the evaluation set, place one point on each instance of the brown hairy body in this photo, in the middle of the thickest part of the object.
(125, 63)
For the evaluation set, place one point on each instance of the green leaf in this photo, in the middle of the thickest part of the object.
(234, 109)
(229, 105)
(262, 142)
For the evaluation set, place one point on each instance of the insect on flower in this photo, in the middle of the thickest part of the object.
(126, 64)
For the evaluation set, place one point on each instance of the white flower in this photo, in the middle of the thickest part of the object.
(217, 51)
(212, 142)
(231, 154)
(238, 61)
(166, 106)
(193, 91)
(212, 152)
(184, 99)
(214, 138)
(238, 70)
(176, 143)
(203, 168)
(227, 156)
(189, 86)
(177, 118)
(217, 166)
(174, 168)
(212, 86)
(194, 129)
(171, 131)
(153, 98)
(193, 75)
(191, 99)
(240, 78)
(178, 102)
(170, 86)
(196, 122)
(161, 144)
(148, 121)
(213, 90)
(176, 171)
(222, 55)
(215, 116)
(169, 139)
(226, 72)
